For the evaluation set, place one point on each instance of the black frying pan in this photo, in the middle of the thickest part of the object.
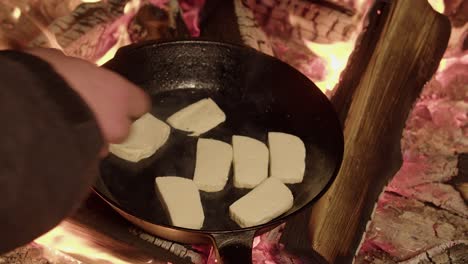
(258, 93)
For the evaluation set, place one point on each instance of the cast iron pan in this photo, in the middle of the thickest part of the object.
(258, 93)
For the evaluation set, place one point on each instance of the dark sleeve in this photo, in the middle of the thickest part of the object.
(49, 144)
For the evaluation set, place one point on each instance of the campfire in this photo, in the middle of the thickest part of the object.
(339, 45)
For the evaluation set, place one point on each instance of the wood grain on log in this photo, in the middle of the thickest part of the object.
(249, 29)
(405, 56)
(300, 19)
(432, 140)
(87, 17)
(232, 21)
(450, 253)
(346, 6)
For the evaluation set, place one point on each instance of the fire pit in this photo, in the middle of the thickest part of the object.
(371, 58)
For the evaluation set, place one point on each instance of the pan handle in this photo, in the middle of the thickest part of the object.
(234, 247)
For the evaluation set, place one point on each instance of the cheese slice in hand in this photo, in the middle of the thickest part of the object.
(181, 200)
(267, 201)
(147, 135)
(212, 166)
(287, 157)
(250, 161)
(198, 118)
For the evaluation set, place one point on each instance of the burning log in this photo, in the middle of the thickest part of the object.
(398, 52)
(433, 138)
(29, 18)
(299, 20)
(96, 30)
(431, 231)
(154, 23)
(68, 29)
(234, 22)
(454, 253)
(284, 29)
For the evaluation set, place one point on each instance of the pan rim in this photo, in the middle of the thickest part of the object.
(127, 50)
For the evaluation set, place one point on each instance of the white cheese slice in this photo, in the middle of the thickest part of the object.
(212, 166)
(287, 157)
(198, 118)
(181, 199)
(147, 135)
(267, 201)
(250, 161)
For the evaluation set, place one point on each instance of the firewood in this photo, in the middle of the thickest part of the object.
(402, 228)
(452, 252)
(313, 21)
(250, 31)
(67, 29)
(232, 21)
(88, 31)
(396, 55)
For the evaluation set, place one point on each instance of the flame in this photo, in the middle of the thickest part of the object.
(64, 239)
(361, 4)
(46, 33)
(132, 6)
(51, 39)
(123, 38)
(336, 57)
(16, 13)
(437, 5)
(443, 65)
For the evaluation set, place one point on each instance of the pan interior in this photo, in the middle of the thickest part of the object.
(257, 93)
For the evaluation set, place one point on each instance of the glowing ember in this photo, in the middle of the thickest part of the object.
(67, 240)
(335, 56)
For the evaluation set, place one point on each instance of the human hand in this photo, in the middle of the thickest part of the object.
(115, 101)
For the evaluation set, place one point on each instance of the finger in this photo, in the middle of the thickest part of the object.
(116, 131)
(139, 103)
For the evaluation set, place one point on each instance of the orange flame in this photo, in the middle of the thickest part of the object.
(437, 5)
(336, 57)
(124, 38)
(69, 240)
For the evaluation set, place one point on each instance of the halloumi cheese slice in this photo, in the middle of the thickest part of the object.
(198, 117)
(250, 161)
(287, 157)
(267, 201)
(212, 166)
(147, 135)
(182, 201)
